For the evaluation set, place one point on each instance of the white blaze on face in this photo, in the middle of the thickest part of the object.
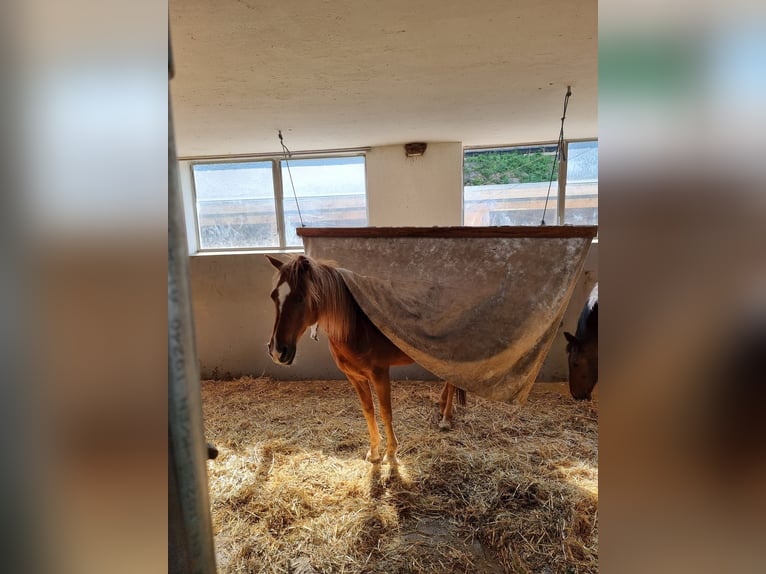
(282, 292)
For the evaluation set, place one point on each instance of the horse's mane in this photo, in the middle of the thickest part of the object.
(328, 294)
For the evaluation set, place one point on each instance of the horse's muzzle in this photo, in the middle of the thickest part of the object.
(581, 396)
(282, 354)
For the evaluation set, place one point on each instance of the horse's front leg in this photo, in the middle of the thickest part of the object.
(362, 387)
(382, 382)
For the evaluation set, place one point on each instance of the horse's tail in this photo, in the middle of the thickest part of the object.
(460, 396)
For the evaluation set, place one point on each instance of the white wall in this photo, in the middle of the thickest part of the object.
(230, 292)
(415, 191)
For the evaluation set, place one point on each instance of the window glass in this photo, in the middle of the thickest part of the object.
(235, 205)
(330, 193)
(236, 201)
(509, 186)
(581, 203)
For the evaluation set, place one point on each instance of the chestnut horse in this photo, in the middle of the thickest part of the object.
(308, 292)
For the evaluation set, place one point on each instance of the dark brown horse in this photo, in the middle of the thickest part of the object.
(308, 292)
(582, 349)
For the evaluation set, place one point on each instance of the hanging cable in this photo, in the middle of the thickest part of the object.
(559, 151)
(287, 154)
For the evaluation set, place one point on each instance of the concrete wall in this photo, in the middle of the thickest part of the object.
(417, 191)
(234, 314)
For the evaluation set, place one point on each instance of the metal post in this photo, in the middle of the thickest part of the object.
(190, 533)
(279, 203)
(561, 205)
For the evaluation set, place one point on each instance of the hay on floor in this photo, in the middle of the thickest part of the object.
(509, 489)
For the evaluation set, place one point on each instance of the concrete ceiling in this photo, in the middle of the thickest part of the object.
(351, 73)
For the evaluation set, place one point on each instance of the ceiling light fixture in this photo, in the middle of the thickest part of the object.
(415, 149)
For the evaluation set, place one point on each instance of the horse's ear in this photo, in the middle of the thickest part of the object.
(275, 262)
(572, 340)
(303, 262)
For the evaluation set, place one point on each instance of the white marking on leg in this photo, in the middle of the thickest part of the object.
(313, 332)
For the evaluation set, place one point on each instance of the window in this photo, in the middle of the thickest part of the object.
(581, 204)
(330, 191)
(508, 186)
(513, 185)
(235, 205)
(251, 205)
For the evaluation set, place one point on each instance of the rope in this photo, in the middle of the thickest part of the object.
(559, 151)
(287, 154)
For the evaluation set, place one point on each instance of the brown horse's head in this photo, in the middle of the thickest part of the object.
(583, 366)
(582, 348)
(296, 308)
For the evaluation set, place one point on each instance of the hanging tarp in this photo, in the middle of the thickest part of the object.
(477, 306)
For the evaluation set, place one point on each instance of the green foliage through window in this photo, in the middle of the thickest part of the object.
(508, 166)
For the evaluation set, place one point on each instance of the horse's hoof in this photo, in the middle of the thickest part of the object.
(445, 425)
(391, 459)
(368, 458)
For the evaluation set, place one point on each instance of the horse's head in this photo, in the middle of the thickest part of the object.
(296, 308)
(583, 366)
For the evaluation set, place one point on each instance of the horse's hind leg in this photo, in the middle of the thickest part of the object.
(449, 392)
(362, 387)
(445, 406)
(382, 384)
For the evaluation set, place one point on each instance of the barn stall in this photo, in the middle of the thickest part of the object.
(289, 490)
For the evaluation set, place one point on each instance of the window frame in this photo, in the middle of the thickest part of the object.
(279, 193)
(562, 170)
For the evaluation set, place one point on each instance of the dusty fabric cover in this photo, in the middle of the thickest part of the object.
(479, 312)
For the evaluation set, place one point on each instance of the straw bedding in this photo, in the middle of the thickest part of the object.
(509, 489)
